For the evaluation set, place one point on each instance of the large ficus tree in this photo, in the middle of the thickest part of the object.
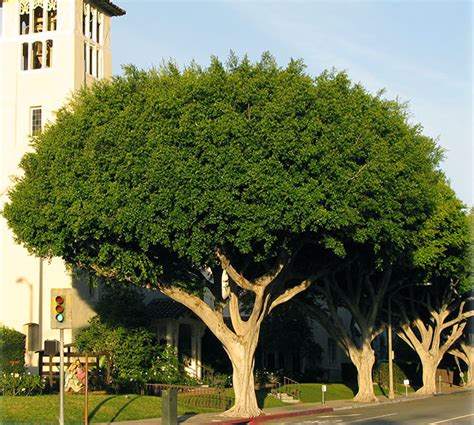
(434, 316)
(183, 180)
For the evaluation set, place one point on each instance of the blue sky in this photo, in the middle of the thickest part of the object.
(419, 51)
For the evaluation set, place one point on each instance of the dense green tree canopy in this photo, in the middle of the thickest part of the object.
(151, 173)
(241, 173)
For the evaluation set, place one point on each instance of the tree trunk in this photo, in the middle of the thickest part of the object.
(470, 371)
(242, 357)
(364, 359)
(429, 364)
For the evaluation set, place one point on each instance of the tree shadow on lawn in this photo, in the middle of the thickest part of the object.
(98, 407)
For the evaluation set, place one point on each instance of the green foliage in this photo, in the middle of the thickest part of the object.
(443, 252)
(23, 384)
(131, 350)
(12, 351)
(167, 369)
(381, 375)
(144, 177)
(122, 305)
(135, 355)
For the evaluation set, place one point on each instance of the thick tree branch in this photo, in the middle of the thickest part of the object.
(291, 292)
(212, 319)
(238, 278)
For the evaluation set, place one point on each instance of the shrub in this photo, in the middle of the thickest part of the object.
(167, 369)
(135, 354)
(21, 384)
(382, 377)
(12, 350)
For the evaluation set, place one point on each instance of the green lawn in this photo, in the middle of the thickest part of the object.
(102, 408)
(311, 393)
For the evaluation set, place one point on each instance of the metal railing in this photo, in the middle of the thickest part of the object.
(195, 396)
(288, 386)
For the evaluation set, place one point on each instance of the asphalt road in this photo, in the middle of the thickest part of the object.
(449, 409)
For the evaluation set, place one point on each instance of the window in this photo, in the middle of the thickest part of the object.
(52, 15)
(41, 15)
(49, 53)
(37, 54)
(25, 48)
(97, 31)
(36, 122)
(38, 18)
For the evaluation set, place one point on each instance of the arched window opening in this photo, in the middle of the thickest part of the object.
(24, 24)
(37, 54)
(52, 15)
(24, 17)
(38, 16)
(49, 53)
(24, 56)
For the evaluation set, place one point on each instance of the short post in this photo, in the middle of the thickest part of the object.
(406, 382)
(323, 390)
(169, 407)
(439, 384)
(86, 393)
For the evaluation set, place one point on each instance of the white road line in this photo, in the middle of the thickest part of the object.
(451, 419)
(338, 416)
(373, 417)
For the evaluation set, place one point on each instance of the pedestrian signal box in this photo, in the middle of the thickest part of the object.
(61, 308)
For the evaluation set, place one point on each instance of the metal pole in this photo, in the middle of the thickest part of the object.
(61, 376)
(86, 399)
(391, 393)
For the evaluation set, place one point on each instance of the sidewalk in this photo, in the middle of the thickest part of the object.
(281, 411)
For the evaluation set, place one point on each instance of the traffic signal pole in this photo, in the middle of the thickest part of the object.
(61, 376)
(61, 318)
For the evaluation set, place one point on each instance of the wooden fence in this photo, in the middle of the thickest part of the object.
(49, 365)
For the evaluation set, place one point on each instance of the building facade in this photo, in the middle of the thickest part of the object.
(48, 50)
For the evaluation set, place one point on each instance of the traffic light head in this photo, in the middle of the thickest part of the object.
(61, 313)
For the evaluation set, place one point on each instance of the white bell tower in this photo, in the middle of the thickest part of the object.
(48, 50)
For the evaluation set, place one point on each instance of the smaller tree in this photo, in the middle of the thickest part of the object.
(434, 317)
(347, 304)
(464, 350)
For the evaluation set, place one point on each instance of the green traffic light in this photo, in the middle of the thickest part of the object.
(59, 317)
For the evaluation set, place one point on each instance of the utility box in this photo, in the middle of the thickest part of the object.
(32, 336)
(51, 347)
(169, 407)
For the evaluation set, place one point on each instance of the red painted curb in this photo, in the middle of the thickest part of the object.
(265, 418)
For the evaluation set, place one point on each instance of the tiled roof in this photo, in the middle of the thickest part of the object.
(108, 7)
(169, 309)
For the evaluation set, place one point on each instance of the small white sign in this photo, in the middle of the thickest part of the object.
(406, 382)
(323, 388)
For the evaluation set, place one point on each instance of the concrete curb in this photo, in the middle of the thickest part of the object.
(265, 418)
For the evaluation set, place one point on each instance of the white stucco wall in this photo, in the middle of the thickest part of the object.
(24, 283)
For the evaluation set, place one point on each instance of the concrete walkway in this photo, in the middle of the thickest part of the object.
(273, 413)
